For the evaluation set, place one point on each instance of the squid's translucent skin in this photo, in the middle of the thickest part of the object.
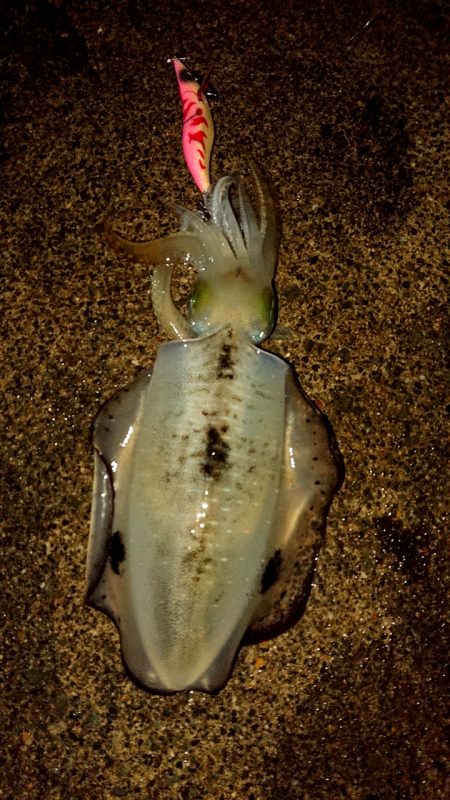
(213, 474)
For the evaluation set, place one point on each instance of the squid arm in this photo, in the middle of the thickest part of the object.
(268, 223)
(182, 247)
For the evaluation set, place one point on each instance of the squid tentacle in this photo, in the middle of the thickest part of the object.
(170, 319)
(182, 246)
(222, 215)
(268, 225)
(248, 219)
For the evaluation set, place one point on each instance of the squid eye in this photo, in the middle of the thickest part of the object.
(199, 308)
(267, 305)
(200, 296)
(264, 319)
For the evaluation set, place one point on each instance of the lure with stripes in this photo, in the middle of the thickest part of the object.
(198, 126)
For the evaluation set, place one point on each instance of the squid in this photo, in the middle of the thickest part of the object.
(214, 473)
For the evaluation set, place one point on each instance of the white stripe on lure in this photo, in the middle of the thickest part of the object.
(214, 473)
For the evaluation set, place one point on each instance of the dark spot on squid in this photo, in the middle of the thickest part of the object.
(226, 363)
(272, 571)
(217, 452)
(116, 551)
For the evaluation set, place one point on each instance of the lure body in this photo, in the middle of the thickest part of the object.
(198, 126)
(215, 473)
